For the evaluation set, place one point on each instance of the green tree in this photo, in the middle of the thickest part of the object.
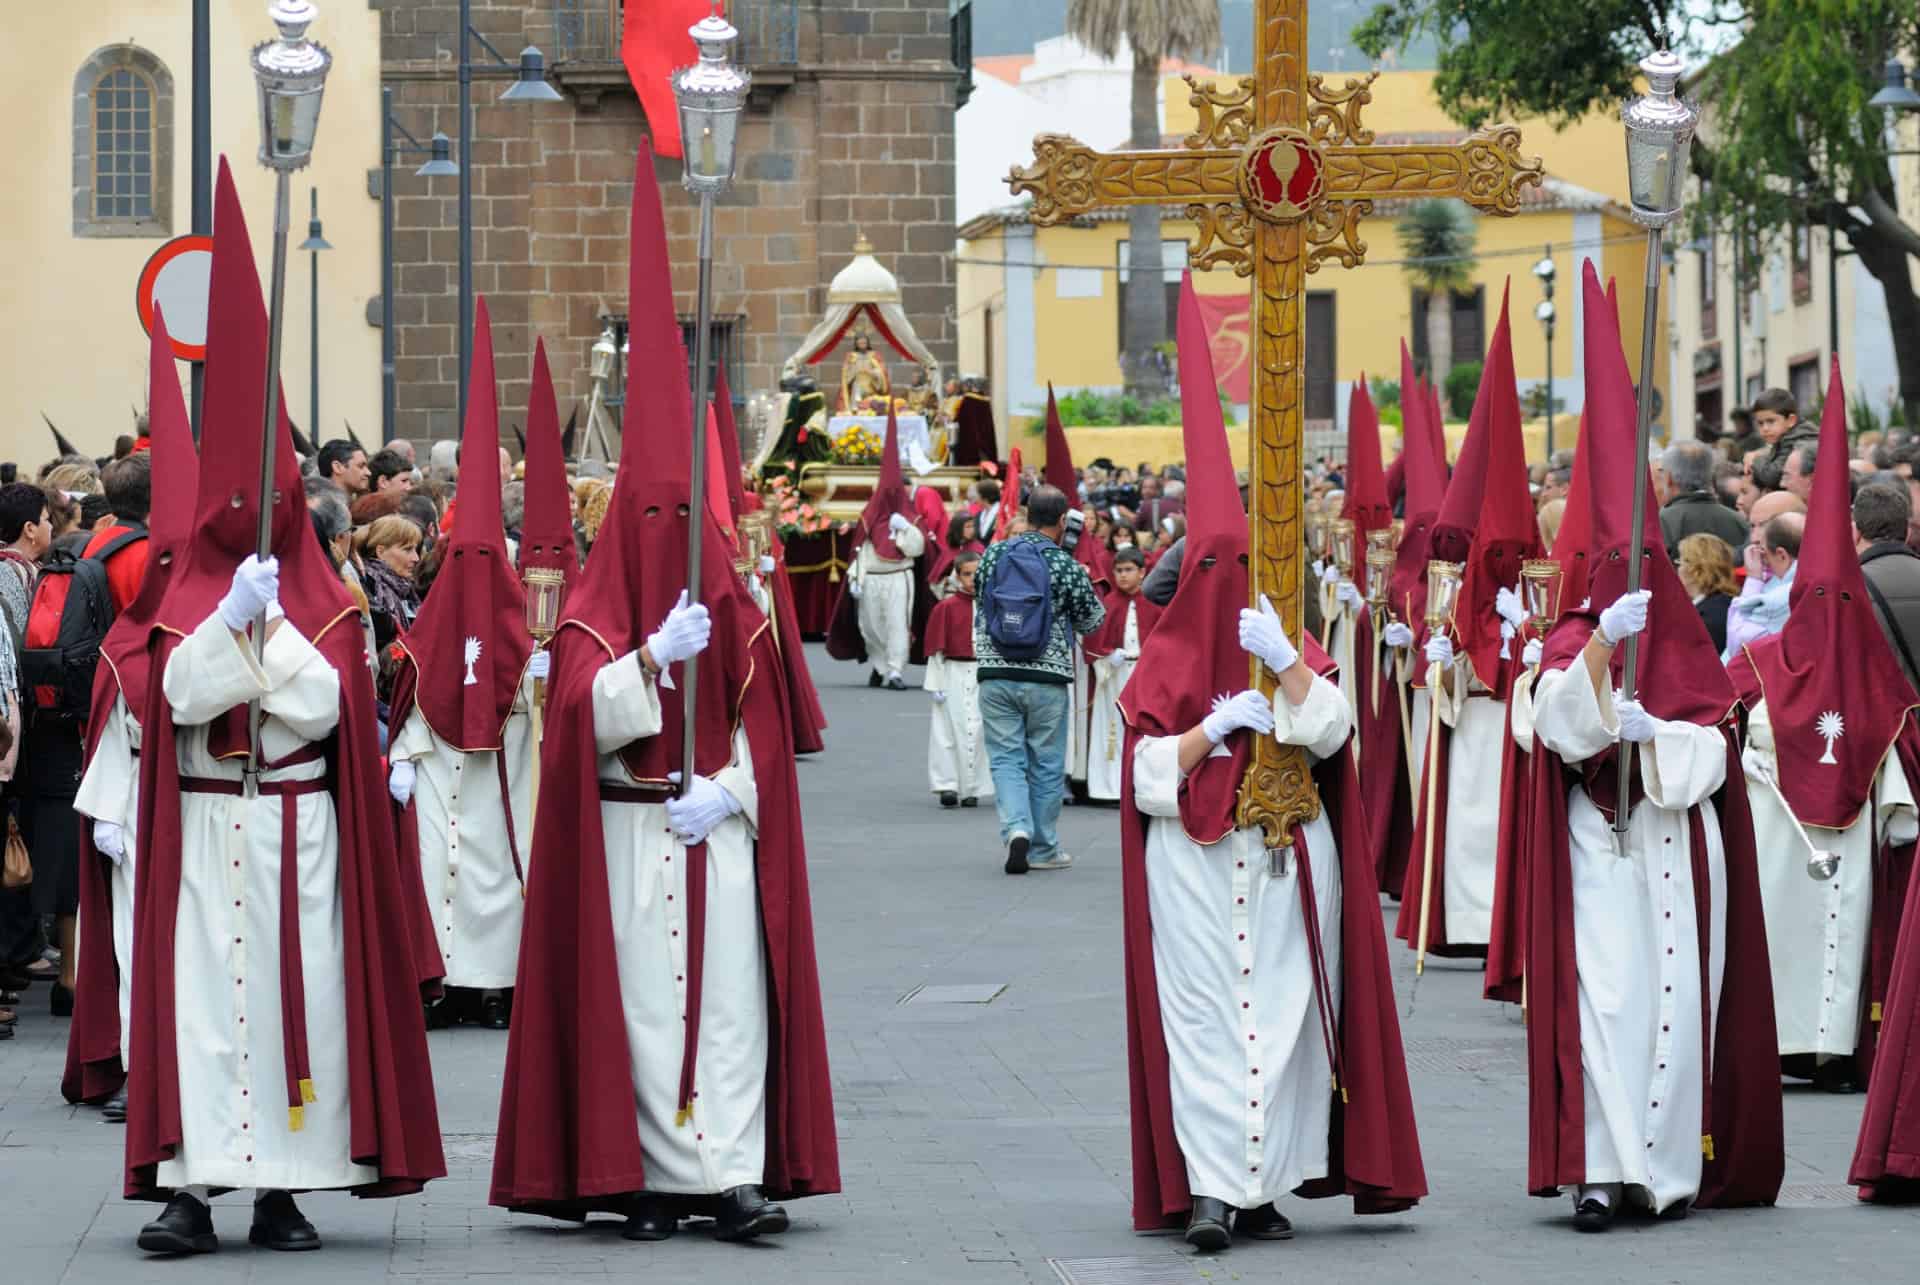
(1153, 30)
(1787, 139)
(1437, 239)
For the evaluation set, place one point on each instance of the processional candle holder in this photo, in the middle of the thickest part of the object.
(1340, 539)
(1540, 586)
(1317, 534)
(1380, 560)
(1443, 591)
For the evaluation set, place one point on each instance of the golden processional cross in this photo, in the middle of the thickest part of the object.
(1277, 176)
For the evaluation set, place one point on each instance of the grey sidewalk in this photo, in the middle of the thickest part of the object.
(979, 1142)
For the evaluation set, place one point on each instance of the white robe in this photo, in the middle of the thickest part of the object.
(1251, 1082)
(723, 1144)
(957, 736)
(886, 601)
(110, 791)
(465, 862)
(1636, 942)
(1077, 716)
(1818, 933)
(234, 1124)
(1479, 726)
(1108, 738)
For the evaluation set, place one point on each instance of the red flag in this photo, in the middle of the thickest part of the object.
(653, 43)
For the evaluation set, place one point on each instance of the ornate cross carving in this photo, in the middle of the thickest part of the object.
(1277, 177)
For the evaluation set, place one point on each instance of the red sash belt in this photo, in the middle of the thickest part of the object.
(295, 1057)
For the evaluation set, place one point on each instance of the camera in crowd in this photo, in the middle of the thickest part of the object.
(1076, 527)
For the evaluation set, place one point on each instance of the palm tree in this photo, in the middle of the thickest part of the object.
(1154, 30)
(1437, 238)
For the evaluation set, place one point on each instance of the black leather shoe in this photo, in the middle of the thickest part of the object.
(1836, 1076)
(969, 802)
(650, 1217)
(184, 1227)
(949, 799)
(896, 684)
(279, 1224)
(874, 679)
(493, 1012)
(60, 1000)
(437, 1015)
(745, 1213)
(1017, 854)
(114, 1110)
(1207, 1225)
(1592, 1215)
(1264, 1223)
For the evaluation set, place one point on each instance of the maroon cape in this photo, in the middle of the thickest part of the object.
(1886, 1158)
(1741, 1129)
(1383, 762)
(1507, 946)
(569, 1143)
(950, 627)
(1374, 1153)
(973, 439)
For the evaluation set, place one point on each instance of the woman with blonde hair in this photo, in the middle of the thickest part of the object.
(1706, 569)
(389, 553)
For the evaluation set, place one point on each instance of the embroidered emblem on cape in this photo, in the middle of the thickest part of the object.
(1830, 728)
(473, 654)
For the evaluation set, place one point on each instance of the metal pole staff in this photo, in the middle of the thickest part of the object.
(696, 524)
(202, 171)
(387, 390)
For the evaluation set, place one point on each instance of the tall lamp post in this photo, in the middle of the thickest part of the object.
(710, 95)
(1544, 271)
(438, 166)
(1659, 135)
(291, 73)
(313, 245)
(530, 86)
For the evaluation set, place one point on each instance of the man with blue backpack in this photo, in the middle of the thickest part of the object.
(1034, 600)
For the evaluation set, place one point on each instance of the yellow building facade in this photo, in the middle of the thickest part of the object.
(92, 198)
(1039, 304)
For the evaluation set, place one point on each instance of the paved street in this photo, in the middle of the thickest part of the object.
(980, 1142)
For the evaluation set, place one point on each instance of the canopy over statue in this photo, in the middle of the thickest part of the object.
(864, 292)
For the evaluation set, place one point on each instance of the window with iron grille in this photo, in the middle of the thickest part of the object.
(725, 334)
(122, 145)
(960, 26)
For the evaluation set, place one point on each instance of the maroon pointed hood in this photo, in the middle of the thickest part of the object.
(227, 505)
(175, 481)
(1864, 702)
(1059, 472)
(1680, 677)
(1502, 528)
(889, 497)
(546, 529)
(1426, 481)
(1366, 503)
(638, 567)
(477, 607)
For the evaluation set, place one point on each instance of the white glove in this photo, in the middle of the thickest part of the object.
(1349, 593)
(1626, 617)
(766, 564)
(1636, 725)
(1440, 651)
(939, 698)
(1397, 635)
(111, 841)
(897, 524)
(1319, 569)
(1262, 635)
(1512, 610)
(1506, 637)
(1530, 654)
(255, 585)
(541, 663)
(1329, 572)
(683, 634)
(400, 782)
(704, 806)
(1249, 709)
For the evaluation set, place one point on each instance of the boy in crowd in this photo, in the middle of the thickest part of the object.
(957, 740)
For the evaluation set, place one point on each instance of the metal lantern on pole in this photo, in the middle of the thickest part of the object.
(710, 95)
(312, 247)
(292, 75)
(1660, 129)
(1545, 272)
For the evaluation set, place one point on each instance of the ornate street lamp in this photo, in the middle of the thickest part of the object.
(312, 246)
(292, 75)
(1544, 271)
(1660, 129)
(710, 95)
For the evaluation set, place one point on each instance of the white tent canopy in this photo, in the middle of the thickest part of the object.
(863, 287)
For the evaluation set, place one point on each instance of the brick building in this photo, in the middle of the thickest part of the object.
(850, 131)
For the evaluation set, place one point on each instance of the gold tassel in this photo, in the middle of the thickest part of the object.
(1706, 1145)
(306, 1091)
(296, 1118)
(1876, 1010)
(683, 1115)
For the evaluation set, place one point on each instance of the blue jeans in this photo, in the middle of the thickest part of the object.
(1026, 726)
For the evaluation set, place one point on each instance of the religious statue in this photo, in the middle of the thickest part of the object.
(862, 374)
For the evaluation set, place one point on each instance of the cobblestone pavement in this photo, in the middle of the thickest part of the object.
(980, 1142)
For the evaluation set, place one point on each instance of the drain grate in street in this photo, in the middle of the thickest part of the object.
(1817, 1195)
(1155, 1269)
(1444, 1053)
(966, 993)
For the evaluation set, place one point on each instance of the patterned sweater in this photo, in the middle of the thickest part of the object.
(1076, 611)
